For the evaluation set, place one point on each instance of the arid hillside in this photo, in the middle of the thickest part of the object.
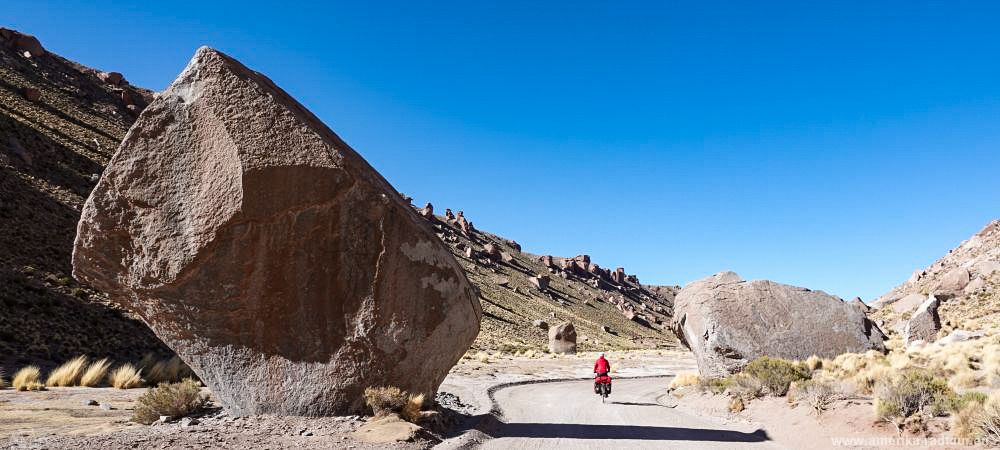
(610, 310)
(59, 124)
(966, 281)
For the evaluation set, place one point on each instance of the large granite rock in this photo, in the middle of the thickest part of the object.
(268, 254)
(728, 322)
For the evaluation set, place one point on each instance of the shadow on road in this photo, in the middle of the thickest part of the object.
(580, 431)
(637, 404)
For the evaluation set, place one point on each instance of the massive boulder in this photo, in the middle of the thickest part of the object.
(268, 254)
(728, 322)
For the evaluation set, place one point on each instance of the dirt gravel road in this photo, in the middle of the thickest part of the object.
(569, 415)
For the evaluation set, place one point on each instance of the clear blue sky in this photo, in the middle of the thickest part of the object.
(835, 147)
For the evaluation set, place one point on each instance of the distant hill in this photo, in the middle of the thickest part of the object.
(966, 280)
(578, 291)
(59, 124)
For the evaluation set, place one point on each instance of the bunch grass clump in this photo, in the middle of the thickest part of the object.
(387, 400)
(684, 379)
(95, 373)
(68, 374)
(174, 400)
(126, 376)
(27, 379)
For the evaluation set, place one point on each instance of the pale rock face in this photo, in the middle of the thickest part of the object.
(728, 322)
(268, 254)
(908, 303)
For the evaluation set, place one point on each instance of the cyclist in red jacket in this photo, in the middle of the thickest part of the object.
(601, 368)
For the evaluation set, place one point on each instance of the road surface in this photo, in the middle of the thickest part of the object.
(569, 415)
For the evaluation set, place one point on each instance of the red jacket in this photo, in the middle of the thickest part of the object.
(602, 366)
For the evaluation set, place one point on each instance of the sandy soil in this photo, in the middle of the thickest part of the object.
(60, 418)
(847, 424)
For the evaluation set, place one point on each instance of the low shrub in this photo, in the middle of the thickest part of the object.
(125, 377)
(988, 422)
(174, 400)
(745, 386)
(684, 379)
(818, 394)
(714, 385)
(27, 378)
(776, 374)
(95, 373)
(68, 374)
(912, 391)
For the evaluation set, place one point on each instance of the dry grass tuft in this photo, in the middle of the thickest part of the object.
(736, 404)
(170, 370)
(388, 400)
(174, 400)
(411, 411)
(67, 374)
(3, 380)
(95, 373)
(684, 379)
(965, 379)
(483, 357)
(27, 378)
(814, 363)
(989, 422)
(385, 400)
(125, 377)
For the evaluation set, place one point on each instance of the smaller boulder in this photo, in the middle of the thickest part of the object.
(562, 339)
(428, 211)
(955, 280)
(111, 78)
(925, 323)
(540, 281)
(540, 324)
(31, 94)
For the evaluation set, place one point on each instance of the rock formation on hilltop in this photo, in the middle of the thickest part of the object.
(966, 282)
(519, 289)
(728, 322)
(275, 261)
(59, 124)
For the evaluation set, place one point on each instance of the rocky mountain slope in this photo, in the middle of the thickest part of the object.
(966, 281)
(519, 290)
(59, 124)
